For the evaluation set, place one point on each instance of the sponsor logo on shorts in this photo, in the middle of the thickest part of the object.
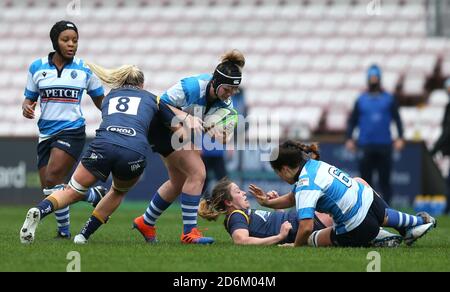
(64, 143)
(122, 130)
(135, 167)
(93, 156)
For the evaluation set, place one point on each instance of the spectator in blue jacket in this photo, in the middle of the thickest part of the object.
(373, 113)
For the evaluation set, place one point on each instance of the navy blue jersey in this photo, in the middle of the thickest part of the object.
(262, 224)
(126, 116)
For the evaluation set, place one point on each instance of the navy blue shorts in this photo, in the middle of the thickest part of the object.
(160, 134)
(362, 235)
(101, 159)
(159, 138)
(70, 141)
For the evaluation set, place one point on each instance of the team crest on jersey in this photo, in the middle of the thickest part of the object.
(303, 182)
(44, 73)
(73, 74)
(264, 215)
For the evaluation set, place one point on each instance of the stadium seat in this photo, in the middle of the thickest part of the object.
(325, 28)
(299, 63)
(438, 98)
(348, 28)
(397, 62)
(435, 46)
(423, 63)
(360, 45)
(309, 80)
(324, 63)
(410, 45)
(414, 83)
(385, 45)
(297, 53)
(348, 63)
(398, 28)
(336, 120)
(321, 98)
(374, 29)
(335, 45)
(334, 81)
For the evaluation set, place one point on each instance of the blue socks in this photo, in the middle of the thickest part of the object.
(62, 215)
(189, 207)
(156, 207)
(91, 226)
(400, 220)
(45, 207)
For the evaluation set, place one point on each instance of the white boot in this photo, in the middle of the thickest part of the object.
(29, 226)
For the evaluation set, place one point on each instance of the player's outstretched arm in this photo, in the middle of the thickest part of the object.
(242, 237)
(263, 199)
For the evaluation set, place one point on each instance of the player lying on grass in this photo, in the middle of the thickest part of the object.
(358, 211)
(259, 227)
(119, 148)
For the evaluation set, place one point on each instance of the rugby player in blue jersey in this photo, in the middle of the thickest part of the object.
(58, 81)
(357, 211)
(119, 148)
(248, 226)
(190, 99)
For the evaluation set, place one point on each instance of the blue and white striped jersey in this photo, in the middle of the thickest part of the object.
(324, 188)
(60, 94)
(189, 94)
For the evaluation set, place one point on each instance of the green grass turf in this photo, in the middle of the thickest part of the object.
(115, 247)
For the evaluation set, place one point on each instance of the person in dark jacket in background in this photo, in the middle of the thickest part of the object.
(373, 113)
(443, 143)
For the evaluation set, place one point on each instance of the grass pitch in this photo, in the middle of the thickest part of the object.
(115, 247)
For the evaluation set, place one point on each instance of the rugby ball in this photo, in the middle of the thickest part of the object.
(220, 119)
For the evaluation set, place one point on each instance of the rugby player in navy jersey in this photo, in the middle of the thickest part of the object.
(58, 82)
(119, 148)
(357, 210)
(248, 226)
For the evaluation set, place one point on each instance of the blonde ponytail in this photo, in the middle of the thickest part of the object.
(211, 208)
(115, 78)
(206, 211)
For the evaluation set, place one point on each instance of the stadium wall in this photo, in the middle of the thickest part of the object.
(414, 172)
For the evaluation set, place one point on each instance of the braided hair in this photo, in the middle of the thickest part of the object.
(293, 154)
